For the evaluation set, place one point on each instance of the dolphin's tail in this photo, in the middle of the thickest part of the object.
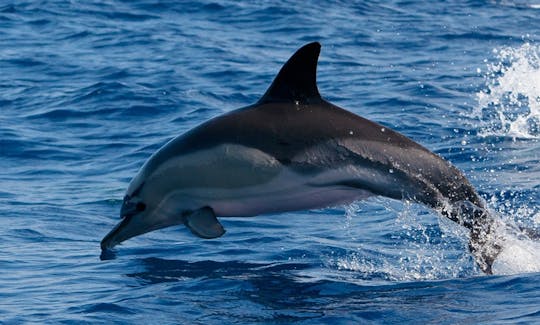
(485, 241)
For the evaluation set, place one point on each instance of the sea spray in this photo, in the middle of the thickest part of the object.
(424, 247)
(509, 105)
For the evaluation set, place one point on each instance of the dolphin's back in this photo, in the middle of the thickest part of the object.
(294, 125)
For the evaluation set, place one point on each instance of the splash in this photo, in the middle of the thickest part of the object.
(519, 230)
(416, 248)
(509, 106)
(426, 250)
(510, 103)
(519, 254)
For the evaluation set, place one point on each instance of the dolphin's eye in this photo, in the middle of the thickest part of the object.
(140, 206)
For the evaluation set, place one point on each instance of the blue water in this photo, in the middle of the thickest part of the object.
(90, 89)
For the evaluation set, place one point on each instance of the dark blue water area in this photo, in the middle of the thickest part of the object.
(90, 89)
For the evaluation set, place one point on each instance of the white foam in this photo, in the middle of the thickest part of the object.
(519, 255)
(510, 103)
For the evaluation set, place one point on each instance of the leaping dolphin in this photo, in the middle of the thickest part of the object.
(292, 150)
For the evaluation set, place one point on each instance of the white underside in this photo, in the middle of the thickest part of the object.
(288, 192)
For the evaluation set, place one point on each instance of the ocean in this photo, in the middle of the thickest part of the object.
(90, 89)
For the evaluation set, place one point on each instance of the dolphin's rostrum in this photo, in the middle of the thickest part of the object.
(292, 150)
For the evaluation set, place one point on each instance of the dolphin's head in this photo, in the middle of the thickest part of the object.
(142, 211)
(135, 221)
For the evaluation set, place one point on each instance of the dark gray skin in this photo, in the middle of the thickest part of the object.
(292, 119)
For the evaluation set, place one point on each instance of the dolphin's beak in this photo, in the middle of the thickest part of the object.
(124, 230)
(130, 226)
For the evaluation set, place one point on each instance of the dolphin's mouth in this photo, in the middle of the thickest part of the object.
(115, 236)
(121, 231)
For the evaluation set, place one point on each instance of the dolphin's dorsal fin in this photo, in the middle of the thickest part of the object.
(297, 79)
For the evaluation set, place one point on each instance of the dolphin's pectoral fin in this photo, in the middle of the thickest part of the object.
(203, 223)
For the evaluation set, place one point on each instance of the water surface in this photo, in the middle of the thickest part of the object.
(88, 91)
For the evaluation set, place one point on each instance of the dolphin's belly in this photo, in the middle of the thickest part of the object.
(284, 196)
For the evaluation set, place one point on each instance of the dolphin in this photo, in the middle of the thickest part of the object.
(292, 150)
